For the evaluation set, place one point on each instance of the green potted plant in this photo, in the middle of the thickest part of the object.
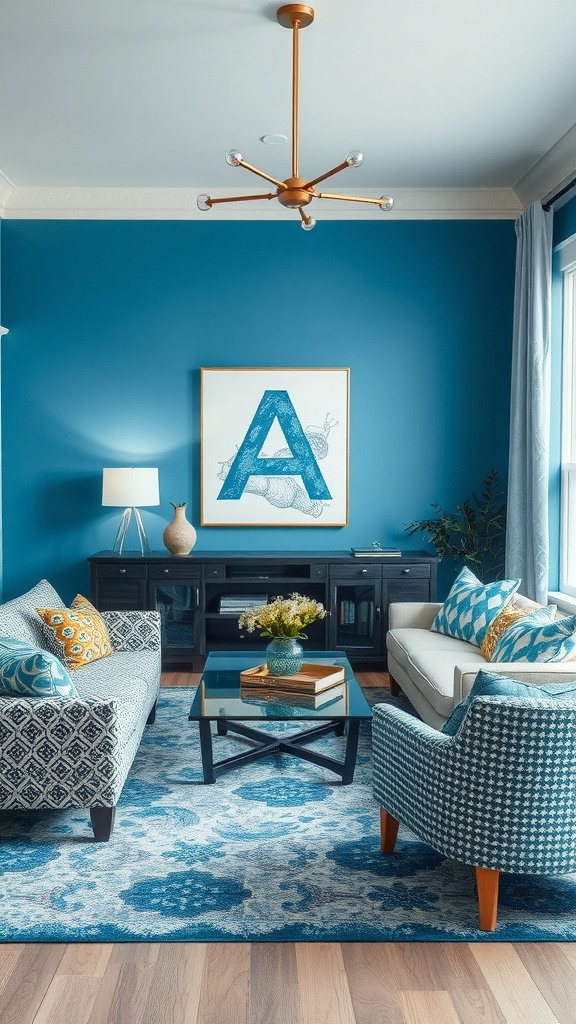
(474, 534)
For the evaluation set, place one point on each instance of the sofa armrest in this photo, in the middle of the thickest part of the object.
(412, 614)
(60, 752)
(133, 630)
(535, 672)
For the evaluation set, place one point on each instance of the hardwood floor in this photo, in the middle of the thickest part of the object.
(288, 983)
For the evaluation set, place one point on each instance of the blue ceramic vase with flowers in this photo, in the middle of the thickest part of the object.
(283, 621)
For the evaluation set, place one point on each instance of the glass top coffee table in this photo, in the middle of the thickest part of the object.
(219, 698)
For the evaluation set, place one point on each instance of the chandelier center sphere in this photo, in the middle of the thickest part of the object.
(295, 195)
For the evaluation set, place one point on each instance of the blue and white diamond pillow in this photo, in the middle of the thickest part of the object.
(535, 638)
(471, 606)
(27, 671)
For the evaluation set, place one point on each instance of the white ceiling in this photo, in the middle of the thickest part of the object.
(150, 94)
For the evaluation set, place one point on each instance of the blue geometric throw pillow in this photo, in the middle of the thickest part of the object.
(26, 671)
(490, 684)
(535, 638)
(471, 606)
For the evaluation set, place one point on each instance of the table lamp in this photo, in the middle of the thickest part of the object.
(129, 488)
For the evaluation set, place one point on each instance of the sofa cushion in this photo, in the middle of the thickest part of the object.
(518, 608)
(429, 658)
(536, 638)
(26, 671)
(18, 618)
(77, 635)
(489, 684)
(471, 606)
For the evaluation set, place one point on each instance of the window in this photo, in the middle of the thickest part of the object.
(568, 474)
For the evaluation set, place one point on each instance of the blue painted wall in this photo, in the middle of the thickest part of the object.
(111, 321)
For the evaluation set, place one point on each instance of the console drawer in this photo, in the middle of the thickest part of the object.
(174, 572)
(121, 572)
(416, 570)
(356, 572)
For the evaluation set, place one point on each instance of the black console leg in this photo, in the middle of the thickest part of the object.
(102, 819)
(152, 716)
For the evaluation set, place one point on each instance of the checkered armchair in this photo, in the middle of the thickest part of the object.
(500, 795)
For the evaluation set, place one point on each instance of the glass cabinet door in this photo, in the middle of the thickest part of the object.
(355, 616)
(178, 603)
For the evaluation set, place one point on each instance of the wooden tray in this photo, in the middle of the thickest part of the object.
(310, 678)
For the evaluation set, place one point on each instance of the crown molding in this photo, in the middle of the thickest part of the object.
(554, 170)
(180, 204)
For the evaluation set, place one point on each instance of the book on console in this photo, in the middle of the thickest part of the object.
(310, 679)
(373, 552)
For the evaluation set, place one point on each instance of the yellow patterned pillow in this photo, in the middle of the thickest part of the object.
(499, 626)
(76, 635)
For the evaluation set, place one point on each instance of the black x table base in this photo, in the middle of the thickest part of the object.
(274, 745)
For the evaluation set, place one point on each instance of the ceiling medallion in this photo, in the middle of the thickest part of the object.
(295, 193)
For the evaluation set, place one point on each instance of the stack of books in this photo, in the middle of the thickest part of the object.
(283, 698)
(237, 604)
(312, 680)
(375, 551)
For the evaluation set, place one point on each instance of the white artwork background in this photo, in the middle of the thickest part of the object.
(230, 399)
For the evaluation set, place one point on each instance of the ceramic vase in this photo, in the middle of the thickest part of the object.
(179, 536)
(284, 657)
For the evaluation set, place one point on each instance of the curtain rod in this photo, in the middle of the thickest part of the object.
(553, 199)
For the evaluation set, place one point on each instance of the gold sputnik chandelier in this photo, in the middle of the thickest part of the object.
(295, 193)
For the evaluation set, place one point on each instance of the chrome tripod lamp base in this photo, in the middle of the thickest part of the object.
(123, 530)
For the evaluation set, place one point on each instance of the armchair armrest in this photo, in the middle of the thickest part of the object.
(535, 672)
(412, 614)
(133, 630)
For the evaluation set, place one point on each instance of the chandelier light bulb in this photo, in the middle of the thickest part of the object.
(203, 203)
(233, 157)
(307, 225)
(386, 202)
(354, 158)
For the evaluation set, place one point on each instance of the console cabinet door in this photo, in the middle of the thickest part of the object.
(355, 615)
(176, 595)
(408, 582)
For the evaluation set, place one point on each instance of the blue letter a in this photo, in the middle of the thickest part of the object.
(274, 404)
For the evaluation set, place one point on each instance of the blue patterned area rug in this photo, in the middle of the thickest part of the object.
(276, 850)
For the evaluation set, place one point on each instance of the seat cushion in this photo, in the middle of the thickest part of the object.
(430, 659)
(131, 678)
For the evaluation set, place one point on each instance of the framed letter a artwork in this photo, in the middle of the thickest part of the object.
(274, 447)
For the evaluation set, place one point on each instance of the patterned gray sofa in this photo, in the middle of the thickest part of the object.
(76, 752)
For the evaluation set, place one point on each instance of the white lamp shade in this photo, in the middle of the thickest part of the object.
(130, 488)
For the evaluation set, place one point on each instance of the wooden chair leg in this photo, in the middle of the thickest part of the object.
(388, 831)
(487, 881)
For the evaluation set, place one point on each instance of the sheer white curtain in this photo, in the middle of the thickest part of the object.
(527, 529)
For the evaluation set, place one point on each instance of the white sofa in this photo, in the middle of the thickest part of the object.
(436, 671)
